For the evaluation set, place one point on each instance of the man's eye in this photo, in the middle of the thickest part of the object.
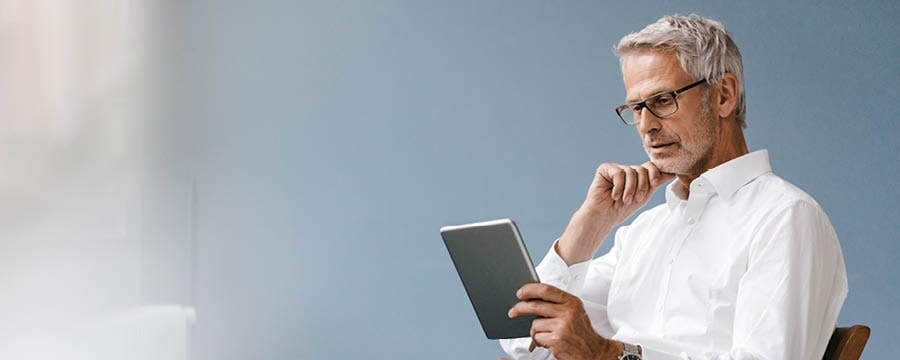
(637, 107)
(663, 100)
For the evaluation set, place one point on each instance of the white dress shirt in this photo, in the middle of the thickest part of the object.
(748, 267)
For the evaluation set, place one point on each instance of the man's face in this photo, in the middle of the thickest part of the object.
(683, 143)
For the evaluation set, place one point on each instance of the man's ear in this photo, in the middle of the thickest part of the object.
(727, 89)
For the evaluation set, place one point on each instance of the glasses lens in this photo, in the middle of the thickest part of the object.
(628, 115)
(663, 104)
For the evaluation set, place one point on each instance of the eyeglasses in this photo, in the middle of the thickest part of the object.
(660, 105)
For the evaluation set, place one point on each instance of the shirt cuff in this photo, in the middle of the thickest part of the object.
(651, 354)
(553, 270)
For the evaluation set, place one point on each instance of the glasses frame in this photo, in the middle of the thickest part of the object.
(643, 103)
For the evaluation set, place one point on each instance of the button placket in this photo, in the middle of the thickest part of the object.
(667, 274)
(690, 211)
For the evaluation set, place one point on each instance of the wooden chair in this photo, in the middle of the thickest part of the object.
(847, 343)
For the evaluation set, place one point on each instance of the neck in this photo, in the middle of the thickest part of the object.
(731, 145)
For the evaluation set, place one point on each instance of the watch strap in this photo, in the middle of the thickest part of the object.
(631, 349)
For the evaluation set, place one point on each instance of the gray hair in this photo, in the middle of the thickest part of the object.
(703, 46)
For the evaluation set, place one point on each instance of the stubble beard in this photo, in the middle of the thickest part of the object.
(689, 158)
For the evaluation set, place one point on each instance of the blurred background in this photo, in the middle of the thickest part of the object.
(233, 180)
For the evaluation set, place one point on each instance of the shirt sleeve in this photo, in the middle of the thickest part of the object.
(589, 280)
(790, 296)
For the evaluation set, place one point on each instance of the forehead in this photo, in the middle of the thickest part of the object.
(648, 72)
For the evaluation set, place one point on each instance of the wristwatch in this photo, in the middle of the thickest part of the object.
(631, 352)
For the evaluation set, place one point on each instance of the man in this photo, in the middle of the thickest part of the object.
(737, 264)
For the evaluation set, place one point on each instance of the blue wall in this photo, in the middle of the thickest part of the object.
(333, 139)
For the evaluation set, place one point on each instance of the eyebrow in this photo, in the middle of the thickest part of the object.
(627, 101)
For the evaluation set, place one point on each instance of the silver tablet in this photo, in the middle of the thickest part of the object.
(492, 263)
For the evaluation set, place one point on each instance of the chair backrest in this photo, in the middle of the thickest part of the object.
(847, 343)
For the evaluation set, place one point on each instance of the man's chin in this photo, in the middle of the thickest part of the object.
(664, 166)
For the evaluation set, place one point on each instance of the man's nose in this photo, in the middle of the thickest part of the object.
(647, 122)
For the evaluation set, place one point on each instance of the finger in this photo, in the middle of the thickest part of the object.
(543, 339)
(664, 178)
(541, 291)
(602, 179)
(616, 177)
(538, 308)
(631, 180)
(657, 177)
(653, 171)
(534, 343)
(643, 183)
(543, 324)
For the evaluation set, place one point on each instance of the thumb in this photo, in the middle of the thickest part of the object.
(662, 179)
(657, 177)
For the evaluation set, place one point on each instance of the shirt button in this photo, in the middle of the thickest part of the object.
(690, 221)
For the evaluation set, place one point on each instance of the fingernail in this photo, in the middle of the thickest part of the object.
(627, 199)
(640, 196)
(509, 313)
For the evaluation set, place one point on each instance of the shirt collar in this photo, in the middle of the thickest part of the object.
(730, 176)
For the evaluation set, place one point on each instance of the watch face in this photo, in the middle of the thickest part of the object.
(631, 357)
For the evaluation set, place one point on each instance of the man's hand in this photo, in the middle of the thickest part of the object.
(619, 190)
(562, 325)
(615, 194)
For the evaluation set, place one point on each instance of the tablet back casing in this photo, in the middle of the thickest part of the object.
(493, 264)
